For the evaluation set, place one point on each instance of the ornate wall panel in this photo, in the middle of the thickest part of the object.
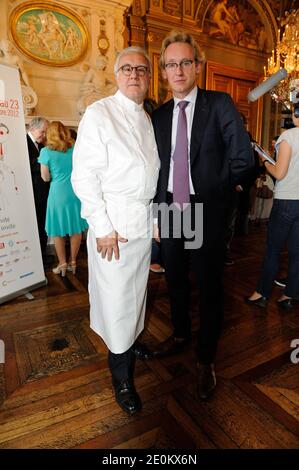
(64, 92)
(137, 29)
(244, 46)
(173, 7)
(237, 83)
(188, 9)
(239, 22)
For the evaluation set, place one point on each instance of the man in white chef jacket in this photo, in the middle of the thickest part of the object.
(115, 173)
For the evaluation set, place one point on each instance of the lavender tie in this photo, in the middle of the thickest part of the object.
(181, 189)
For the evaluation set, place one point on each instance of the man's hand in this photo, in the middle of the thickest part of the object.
(156, 234)
(109, 245)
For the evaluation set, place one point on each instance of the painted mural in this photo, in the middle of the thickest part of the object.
(236, 22)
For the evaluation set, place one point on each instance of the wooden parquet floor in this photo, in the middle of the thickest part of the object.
(55, 388)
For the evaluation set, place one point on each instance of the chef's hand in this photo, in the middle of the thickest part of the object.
(109, 245)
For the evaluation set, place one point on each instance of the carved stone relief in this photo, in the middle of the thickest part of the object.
(119, 35)
(8, 57)
(95, 85)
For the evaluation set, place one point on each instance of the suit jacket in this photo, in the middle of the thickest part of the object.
(220, 152)
(40, 187)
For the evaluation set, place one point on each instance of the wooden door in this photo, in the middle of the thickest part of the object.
(237, 83)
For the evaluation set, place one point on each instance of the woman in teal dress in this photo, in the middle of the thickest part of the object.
(63, 207)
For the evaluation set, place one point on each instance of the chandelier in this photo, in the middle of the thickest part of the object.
(286, 55)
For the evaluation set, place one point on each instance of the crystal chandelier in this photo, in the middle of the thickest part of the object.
(285, 55)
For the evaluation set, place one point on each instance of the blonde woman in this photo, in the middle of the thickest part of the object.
(63, 207)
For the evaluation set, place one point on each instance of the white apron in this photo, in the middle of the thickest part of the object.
(115, 173)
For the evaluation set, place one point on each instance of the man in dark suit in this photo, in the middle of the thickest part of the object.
(204, 151)
(36, 138)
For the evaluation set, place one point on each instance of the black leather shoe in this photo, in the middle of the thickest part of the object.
(141, 351)
(260, 302)
(127, 397)
(206, 381)
(171, 345)
(286, 304)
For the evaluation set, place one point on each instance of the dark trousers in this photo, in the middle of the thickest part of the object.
(232, 214)
(155, 256)
(283, 227)
(41, 221)
(121, 366)
(241, 226)
(207, 265)
(41, 191)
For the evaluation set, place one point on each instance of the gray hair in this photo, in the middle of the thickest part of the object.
(37, 123)
(132, 50)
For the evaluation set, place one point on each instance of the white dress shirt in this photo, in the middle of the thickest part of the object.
(191, 97)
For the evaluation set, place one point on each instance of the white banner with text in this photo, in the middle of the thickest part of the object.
(21, 267)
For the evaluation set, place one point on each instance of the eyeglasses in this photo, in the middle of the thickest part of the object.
(127, 70)
(184, 64)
